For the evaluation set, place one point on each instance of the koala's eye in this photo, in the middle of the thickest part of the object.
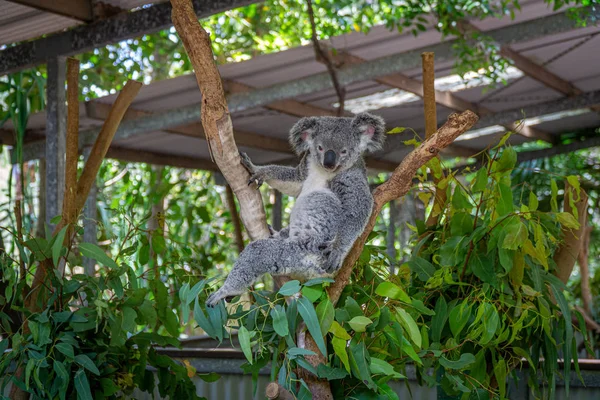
(320, 148)
(344, 151)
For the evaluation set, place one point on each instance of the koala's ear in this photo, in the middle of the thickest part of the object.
(301, 132)
(372, 129)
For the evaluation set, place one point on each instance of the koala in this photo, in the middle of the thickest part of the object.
(332, 208)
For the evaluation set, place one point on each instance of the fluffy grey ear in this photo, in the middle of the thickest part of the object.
(301, 132)
(372, 129)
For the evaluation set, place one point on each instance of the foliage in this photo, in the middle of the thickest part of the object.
(487, 271)
(95, 336)
(476, 297)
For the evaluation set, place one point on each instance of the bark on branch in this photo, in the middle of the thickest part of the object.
(399, 184)
(216, 119)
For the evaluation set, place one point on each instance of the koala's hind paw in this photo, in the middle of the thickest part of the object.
(333, 262)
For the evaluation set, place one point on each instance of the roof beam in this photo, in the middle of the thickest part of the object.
(507, 117)
(133, 155)
(97, 110)
(444, 98)
(110, 30)
(80, 10)
(289, 107)
(533, 70)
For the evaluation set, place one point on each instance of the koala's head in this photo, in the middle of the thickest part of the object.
(336, 143)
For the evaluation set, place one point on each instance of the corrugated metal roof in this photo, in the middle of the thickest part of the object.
(19, 23)
(573, 56)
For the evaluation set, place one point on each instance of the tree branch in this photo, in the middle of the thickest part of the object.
(399, 184)
(216, 119)
(321, 54)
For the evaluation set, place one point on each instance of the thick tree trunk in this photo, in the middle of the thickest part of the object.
(582, 260)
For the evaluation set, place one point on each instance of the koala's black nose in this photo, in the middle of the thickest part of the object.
(329, 159)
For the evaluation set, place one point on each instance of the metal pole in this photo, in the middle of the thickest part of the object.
(55, 136)
(89, 220)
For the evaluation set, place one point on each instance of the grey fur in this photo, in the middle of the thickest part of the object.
(333, 205)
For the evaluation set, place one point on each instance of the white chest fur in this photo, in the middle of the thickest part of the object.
(317, 179)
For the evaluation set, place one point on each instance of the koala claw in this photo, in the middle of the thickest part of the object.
(256, 180)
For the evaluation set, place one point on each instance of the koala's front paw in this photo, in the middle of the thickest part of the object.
(214, 299)
(247, 163)
(333, 262)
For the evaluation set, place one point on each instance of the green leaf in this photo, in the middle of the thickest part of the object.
(244, 338)
(439, 319)
(410, 326)
(505, 203)
(90, 250)
(280, 323)
(359, 324)
(308, 314)
(491, 320)
(61, 372)
(338, 331)
(290, 288)
(459, 316)
(312, 293)
(87, 363)
(392, 291)
(82, 386)
(209, 377)
(500, 373)
(339, 348)
(566, 313)
(294, 352)
(202, 321)
(533, 202)
(326, 314)
(461, 224)
(465, 360)
(381, 367)
(318, 281)
(484, 271)
(66, 349)
(481, 180)
(423, 268)
(58, 245)
(359, 364)
(567, 220)
(516, 234)
(326, 372)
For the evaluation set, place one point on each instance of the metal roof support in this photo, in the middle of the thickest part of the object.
(89, 220)
(446, 99)
(508, 117)
(110, 30)
(158, 121)
(56, 136)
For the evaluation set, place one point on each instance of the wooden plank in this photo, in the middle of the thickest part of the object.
(80, 10)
